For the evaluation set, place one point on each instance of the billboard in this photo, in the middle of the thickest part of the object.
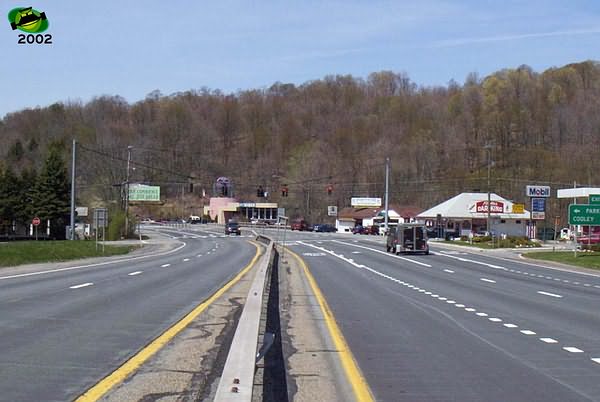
(364, 202)
(142, 192)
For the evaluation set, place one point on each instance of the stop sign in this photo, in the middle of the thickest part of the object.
(36, 221)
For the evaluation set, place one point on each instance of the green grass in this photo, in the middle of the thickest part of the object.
(29, 252)
(482, 244)
(584, 259)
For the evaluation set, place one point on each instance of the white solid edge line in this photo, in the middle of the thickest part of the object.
(83, 285)
(92, 265)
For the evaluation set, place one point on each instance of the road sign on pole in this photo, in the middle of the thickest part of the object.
(584, 214)
(35, 221)
(594, 199)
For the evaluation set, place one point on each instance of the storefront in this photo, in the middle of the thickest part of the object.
(468, 213)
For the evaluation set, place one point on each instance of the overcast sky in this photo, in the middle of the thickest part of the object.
(130, 48)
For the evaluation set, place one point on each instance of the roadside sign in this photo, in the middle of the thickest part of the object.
(100, 217)
(584, 214)
(594, 199)
(538, 208)
(332, 210)
(518, 208)
(35, 221)
(537, 191)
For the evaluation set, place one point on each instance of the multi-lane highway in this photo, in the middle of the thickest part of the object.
(63, 330)
(458, 325)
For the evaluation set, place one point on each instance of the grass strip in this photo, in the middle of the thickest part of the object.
(583, 259)
(31, 252)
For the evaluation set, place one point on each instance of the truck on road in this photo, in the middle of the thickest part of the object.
(407, 238)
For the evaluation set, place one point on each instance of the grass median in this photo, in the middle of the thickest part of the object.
(30, 252)
(583, 259)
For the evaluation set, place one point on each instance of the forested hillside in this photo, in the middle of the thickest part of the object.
(535, 127)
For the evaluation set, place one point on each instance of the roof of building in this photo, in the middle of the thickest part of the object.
(394, 211)
(464, 206)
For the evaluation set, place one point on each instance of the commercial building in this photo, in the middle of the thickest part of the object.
(222, 209)
(350, 217)
(468, 213)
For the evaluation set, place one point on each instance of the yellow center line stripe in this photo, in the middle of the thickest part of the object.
(121, 373)
(353, 374)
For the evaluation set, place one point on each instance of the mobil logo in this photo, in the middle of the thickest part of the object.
(537, 191)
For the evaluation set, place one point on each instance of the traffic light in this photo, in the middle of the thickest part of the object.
(260, 192)
(329, 189)
(284, 190)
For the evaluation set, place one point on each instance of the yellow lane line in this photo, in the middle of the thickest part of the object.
(353, 374)
(121, 373)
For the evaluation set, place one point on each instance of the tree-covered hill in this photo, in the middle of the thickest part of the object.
(534, 127)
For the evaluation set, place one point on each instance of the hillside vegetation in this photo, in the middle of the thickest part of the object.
(535, 128)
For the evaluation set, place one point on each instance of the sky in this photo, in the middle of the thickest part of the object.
(131, 48)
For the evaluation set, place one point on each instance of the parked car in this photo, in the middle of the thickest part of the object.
(324, 227)
(373, 230)
(232, 228)
(300, 224)
(359, 229)
(594, 238)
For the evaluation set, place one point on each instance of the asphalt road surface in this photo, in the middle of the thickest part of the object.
(63, 331)
(457, 325)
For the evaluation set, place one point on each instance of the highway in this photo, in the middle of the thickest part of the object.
(64, 330)
(458, 325)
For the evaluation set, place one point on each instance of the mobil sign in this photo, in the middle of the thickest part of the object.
(537, 191)
(496, 207)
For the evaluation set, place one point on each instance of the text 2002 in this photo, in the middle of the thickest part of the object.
(30, 39)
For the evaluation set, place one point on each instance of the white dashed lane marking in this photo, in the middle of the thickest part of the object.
(527, 332)
(165, 265)
(186, 259)
(449, 271)
(83, 285)
(572, 349)
(135, 273)
(549, 294)
(487, 280)
(510, 325)
(596, 360)
(548, 340)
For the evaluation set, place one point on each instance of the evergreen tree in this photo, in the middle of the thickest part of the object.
(51, 195)
(9, 198)
(25, 211)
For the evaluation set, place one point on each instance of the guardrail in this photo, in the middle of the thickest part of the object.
(237, 379)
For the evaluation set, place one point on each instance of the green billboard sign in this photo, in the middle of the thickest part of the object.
(584, 214)
(142, 192)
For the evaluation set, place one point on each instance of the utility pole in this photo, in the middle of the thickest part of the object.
(387, 192)
(489, 203)
(127, 192)
(72, 234)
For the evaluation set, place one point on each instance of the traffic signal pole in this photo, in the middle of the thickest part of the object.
(387, 191)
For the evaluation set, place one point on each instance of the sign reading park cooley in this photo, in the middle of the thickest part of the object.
(584, 214)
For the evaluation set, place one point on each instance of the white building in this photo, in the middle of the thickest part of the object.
(468, 212)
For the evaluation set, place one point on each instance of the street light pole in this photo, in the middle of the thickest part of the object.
(127, 192)
(72, 233)
(489, 201)
(387, 190)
